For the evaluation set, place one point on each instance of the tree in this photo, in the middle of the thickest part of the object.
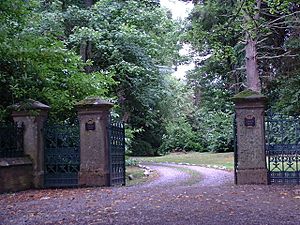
(266, 25)
(252, 73)
(238, 45)
(129, 39)
(37, 65)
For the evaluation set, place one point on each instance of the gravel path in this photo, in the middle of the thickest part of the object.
(210, 177)
(172, 199)
(167, 176)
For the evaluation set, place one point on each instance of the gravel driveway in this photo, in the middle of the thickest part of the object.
(178, 196)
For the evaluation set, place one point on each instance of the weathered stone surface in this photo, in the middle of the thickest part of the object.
(6, 162)
(255, 176)
(94, 102)
(92, 178)
(15, 174)
(251, 166)
(33, 116)
(29, 104)
(250, 140)
(249, 96)
(94, 154)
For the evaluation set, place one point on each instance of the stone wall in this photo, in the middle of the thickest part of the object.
(15, 174)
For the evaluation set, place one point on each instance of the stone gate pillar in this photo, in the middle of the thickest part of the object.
(33, 115)
(93, 116)
(251, 158)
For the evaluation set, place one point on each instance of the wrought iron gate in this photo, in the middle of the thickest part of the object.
(11, 140)
(283, 148)
(61, 155)
(117, 153)
(235, 147)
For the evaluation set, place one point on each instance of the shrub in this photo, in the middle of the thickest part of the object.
(216, 129)
(179, 135)
(142, 148)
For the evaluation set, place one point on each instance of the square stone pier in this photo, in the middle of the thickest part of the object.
(93, 114)
(250, 134)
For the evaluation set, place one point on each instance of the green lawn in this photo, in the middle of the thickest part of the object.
(203, 159)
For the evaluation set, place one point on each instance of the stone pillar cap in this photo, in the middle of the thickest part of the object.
(94, 102)
(248, 95)
(29, 104)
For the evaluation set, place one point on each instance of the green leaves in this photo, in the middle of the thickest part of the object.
(36, 65)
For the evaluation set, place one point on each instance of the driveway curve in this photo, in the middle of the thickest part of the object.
(170, 173)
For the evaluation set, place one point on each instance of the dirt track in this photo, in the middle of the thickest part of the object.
(178, 196)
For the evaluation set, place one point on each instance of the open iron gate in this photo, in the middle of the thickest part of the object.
(283, 148)
(116, 137)
(61, 155)
(235, 147)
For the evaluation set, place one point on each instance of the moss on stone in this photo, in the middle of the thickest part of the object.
(248, 94)
(28, 105)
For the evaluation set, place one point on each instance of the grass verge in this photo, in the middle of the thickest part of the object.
(217, 160)
(138, 176)
(195, 176)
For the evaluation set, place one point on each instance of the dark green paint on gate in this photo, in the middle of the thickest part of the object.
(235, 147)
(11, 140)
(116, 137)
(62, 155)
(283, 148)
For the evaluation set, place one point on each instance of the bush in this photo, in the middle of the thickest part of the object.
(179, 135)
(142, 148)
(216, 129)
(207, 131)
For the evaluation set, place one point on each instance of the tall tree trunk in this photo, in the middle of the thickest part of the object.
(83, 54)
(197, 96)
(86, 46)
(253, 81)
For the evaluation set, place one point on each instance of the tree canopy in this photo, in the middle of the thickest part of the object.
(62, 51)
(59, 52)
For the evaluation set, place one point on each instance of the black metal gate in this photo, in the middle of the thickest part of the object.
(283, 148)
(61, 155)
(11, 140)
(117, 153)
(235, 147)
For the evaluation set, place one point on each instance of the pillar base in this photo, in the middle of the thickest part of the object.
(93, 178)
(252, 176)
(38, 179)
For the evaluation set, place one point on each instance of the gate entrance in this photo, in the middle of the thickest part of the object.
(283, 148)
(61, 155)
(116, 137)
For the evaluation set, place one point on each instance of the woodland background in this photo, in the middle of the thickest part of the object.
(60, 52)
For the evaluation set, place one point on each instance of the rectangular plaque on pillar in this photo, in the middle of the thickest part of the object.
(249, 121)
(90, 125)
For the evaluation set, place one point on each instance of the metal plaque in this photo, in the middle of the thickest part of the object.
(249, 121)
(90, 125)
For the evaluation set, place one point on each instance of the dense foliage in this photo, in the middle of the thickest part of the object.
(218, 32)
(59, 52)
(37, 65)
(62, 51)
